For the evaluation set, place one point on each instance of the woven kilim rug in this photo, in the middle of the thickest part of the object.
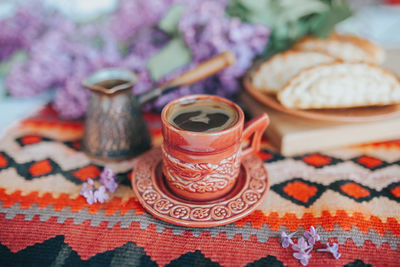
(351, 194)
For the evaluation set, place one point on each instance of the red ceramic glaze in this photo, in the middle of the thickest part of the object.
(153, 192)
(204, 166)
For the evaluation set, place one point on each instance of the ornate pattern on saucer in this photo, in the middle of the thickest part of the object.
(150, 188)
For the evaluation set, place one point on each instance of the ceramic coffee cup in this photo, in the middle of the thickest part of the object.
(202, 166)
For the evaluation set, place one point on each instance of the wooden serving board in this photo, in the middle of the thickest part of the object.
(292, 135)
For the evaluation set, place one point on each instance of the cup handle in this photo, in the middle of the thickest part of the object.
(254, 130)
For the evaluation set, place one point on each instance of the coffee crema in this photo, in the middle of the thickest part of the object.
(203, 116)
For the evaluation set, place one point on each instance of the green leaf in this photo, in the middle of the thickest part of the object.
(169, 23)
(18, 56)
(293, 10)
(324, 24)
(172, 56)
(253, 11)
(290, 20)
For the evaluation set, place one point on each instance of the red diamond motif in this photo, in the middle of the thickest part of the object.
(354, 190)
(40, 168)
(31, 139)
(396, 191)
(317, 160)
(87, 172)
(369, 162)
(300, 191)
(3, 161)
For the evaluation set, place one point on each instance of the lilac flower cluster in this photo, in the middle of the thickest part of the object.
(60, 53)
(93, 195)
(208, 31)
(306, 244)
(19, 31)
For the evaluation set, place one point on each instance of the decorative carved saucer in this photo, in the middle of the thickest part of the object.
(150, 188)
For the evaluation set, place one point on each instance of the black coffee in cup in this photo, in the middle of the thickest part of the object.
(202, 116)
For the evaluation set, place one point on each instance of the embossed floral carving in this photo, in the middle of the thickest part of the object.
(180, 212)
(144, 184)
(250, 196)
(220, 212)
(201, 177)
(200, 213)
(257, 184)
(150, 196)
(237, 205)
(163, 205)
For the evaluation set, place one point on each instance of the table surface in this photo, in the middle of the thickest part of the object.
(352, 195)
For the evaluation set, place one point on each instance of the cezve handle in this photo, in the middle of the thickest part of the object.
(203, 70)
(200, 72)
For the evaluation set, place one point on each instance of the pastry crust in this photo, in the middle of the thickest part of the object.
(345, 47)
(341, 85)
(273, 74)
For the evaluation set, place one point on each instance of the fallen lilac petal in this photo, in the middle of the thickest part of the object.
(331, 249)
(87, 191)
(303, 257)
(100, 195)
(90, 197)
(312, 235)
(286, 240)
(107, 178)
(301, 245)
(111, 186)
(84, 188)
(107, 174)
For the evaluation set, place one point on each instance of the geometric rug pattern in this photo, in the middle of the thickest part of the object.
(351, 194)
(55, 252)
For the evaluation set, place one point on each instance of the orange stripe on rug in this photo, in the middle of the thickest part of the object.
(64, 200)
(257, 219)
(327, 220)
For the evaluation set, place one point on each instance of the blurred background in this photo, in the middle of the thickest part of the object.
(47, 47)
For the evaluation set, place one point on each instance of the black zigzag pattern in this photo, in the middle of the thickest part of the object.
(28, 140)
(45, 167)
(55, 252)
(347, 188)
(318, 160)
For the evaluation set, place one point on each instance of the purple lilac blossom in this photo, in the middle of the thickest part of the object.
(312, 236)
(107, 178)
(89, 195)
(20, 30)
(92, 195)
(61, 53)
(88, 191)
(100, 195)
(301, 245)
(132, 16)
(208, 31)
(303, 251)
(286, 239)
(331, 249)
(303, 256)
